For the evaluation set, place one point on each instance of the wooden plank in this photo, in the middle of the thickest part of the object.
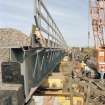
(50, 93)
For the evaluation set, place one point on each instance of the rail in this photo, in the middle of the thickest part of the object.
(46, 25)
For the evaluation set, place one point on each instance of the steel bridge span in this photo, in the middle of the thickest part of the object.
(46, 49)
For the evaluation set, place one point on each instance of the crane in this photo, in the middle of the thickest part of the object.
(97, 14)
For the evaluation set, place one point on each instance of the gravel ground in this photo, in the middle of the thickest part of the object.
(13, 38)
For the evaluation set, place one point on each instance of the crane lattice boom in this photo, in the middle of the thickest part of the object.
(97, 12)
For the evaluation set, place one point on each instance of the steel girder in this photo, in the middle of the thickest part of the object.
(36, 64)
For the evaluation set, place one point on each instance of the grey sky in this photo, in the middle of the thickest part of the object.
(71, 17)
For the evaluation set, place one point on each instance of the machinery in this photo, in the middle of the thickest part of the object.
(97, 13)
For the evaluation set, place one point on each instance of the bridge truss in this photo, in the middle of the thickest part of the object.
(45, 52)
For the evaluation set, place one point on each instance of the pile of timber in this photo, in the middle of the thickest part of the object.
(97, 95)
(96, 90)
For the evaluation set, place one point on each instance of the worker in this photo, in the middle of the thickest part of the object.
(83, 67)
(87, 71)
(97, 75)
(77, 70)
(102, 72)
(86, 58)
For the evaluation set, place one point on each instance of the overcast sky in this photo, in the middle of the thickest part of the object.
(71, 17)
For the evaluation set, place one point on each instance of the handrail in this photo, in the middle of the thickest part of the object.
(46, 24)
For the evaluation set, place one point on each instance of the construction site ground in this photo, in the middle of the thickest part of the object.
(79, 90)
